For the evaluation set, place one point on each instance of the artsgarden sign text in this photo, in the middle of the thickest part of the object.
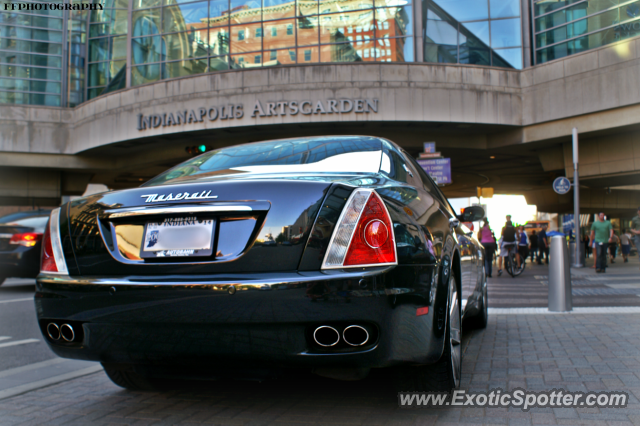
(260, 109)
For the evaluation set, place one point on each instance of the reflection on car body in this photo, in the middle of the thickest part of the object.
(370, 263)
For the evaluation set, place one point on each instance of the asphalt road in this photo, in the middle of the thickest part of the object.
(21, 342)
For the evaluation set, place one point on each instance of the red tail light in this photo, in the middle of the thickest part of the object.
(52, 257)
(47, 259)
(364, 235)
(28, 239)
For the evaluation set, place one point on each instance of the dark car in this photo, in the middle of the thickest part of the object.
(20, 243)
(174, 278)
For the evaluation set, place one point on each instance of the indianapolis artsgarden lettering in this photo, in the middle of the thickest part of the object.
(52, 6)
(267, 109)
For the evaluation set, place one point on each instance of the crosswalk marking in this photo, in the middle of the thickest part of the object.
(4, 337)
(16, 300)
(18, 342)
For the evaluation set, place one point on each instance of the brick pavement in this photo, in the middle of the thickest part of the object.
(537, 352)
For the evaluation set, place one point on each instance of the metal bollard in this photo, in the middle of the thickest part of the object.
(559, 276)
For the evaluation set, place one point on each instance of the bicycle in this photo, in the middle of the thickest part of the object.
(511, 262)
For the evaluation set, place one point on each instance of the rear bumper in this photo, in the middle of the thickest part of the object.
(229, 321)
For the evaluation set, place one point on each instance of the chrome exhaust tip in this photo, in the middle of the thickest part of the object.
(326, 336)
(67, 332)
(355, 335)
(53, 331)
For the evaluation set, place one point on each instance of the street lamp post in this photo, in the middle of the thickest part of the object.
(576, 201)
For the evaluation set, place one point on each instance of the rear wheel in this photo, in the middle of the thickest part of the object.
(482, 318)
(129, 379)
(444, 375)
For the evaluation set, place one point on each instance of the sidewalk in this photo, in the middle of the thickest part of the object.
(619, 286)
(537, 352)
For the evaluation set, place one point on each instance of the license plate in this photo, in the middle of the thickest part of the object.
(178, 237)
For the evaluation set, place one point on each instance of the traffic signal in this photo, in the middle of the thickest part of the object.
(196, 150)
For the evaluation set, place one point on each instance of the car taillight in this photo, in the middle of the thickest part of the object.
(364, 235)
(52, 259)
(27, 239)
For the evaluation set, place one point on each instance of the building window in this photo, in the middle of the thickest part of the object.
(307, 55)
(274, 31)
(257, 59)
(258, 32)
(469, 35)
(290, 29)
(240, 35)
(274, 55)
(292, 55)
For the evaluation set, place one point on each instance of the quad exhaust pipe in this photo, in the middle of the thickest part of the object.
(65, 331)
(53, 331)
(326, 336)
(353, 335)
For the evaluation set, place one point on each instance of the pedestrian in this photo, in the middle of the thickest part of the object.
(523, 244)
(625, 244)
(585, 243)
(485, 236)
(533, 238)
(635, 230)
(508, 242)
(543, 246)
(601, 233)
(613, 246)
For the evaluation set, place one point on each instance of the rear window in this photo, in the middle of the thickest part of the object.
(345, 154)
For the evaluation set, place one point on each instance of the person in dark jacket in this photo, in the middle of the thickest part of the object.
(534, 246)
(543, 246)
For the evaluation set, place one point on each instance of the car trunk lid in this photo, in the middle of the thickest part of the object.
(258, 225)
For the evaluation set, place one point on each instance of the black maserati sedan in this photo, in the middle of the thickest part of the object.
(20, 243)
(333, 254)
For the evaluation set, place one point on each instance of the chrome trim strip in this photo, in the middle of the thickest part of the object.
(56, 243)
(142, 211)
(337, 227)
(186, 281)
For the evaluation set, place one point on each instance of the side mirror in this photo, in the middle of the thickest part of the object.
(472, 214)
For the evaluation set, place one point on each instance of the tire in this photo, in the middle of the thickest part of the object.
(445, 374)
(129, 379)
(512, 267)
(482, 318)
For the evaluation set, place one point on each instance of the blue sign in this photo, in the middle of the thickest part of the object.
(561, 185)
(439, 169)
(567, 224)
(429, 147)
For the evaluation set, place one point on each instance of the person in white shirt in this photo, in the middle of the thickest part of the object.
(625, 244)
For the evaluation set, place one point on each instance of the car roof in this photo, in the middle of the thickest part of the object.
(24, 214)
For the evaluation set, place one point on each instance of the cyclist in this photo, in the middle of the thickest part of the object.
(523, 245)
(508, 243)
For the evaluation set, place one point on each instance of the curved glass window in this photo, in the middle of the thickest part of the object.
(473, 32)
(566, 27)
(31, 56)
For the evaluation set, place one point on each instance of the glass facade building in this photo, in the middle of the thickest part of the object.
(32, 56)
(66, 57)
(562, 28)
(478, 32)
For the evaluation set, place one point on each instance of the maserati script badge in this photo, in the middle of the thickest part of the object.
(154, 198)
